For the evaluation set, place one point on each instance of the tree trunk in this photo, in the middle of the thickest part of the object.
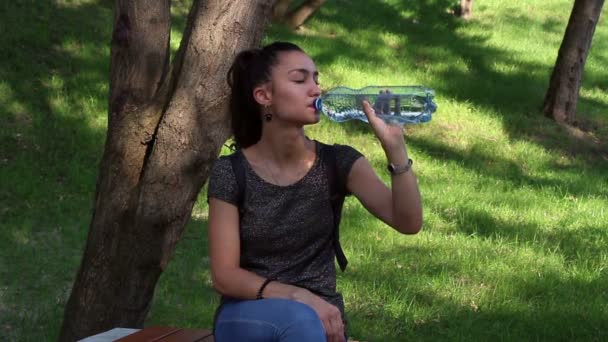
(562, 95)
(165, 129)
(297, 17)
(279, 11)
(466, 8)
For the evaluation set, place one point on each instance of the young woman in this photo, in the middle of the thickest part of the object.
(272, 255)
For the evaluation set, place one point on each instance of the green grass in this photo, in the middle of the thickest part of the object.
(516, 211)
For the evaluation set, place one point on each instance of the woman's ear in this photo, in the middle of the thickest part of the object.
(263, 94)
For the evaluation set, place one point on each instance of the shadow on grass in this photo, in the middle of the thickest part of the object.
(476, 283)
(479, 160)
(575, 245)
(422, 301)
(53, 94)
(53, 76)
(54, 80)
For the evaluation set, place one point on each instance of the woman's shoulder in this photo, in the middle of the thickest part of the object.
(222, 180)
(341, 151)
(224, 161)
(223, 165)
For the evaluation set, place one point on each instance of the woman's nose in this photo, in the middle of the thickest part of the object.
(316, 91)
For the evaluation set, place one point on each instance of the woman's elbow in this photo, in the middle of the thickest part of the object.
(219, 283)
(218, 288)
(410, 226)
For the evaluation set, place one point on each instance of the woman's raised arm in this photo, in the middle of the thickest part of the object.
(400, 206)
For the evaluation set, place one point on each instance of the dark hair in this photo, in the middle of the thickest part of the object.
(250, 69)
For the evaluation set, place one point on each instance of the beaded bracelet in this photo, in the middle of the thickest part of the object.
(266, 282)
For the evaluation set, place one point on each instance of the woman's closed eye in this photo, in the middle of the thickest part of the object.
(302, 75)
(300, 81)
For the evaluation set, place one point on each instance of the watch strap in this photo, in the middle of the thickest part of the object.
(399, 169)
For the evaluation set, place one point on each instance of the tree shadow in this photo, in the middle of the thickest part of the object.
(573, 245)
(54, 80)
(538, 307)
(52, 91)
(477, 159)
(473, 283)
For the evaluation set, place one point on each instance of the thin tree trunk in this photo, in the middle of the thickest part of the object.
(279, 11)
(466, 9)
(562, 96)
(298, 16)
(164, 132)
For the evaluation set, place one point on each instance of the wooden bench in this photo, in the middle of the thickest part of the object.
(169, 334)
(153, 334)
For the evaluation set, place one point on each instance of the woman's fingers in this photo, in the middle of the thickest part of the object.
(335, 331)
(331, 333)
(370, 113)
(390, 135)
(330, 317)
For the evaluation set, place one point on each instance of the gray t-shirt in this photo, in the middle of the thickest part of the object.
(286, 231)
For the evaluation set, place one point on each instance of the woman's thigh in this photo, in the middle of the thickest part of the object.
(268, 320)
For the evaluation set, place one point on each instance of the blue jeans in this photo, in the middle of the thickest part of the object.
(268, 320)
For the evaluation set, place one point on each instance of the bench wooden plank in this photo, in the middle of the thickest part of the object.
(169, 334)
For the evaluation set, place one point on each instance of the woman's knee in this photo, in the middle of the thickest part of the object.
(297, 311)
(303, 323)
(245, 330)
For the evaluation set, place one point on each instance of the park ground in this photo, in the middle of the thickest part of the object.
(516, 206)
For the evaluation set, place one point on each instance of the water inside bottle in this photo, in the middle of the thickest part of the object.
(400, 105)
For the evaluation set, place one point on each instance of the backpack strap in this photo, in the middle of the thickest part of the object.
(239, 173)
(337, 192)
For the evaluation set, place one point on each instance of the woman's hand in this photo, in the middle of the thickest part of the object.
(390, 136)
(328, 313)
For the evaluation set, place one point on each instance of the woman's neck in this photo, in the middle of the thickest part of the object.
(283, 157)
(284, 147)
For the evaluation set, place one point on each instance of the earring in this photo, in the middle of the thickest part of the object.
(268, 114)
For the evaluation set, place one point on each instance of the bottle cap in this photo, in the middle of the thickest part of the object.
(318, 104)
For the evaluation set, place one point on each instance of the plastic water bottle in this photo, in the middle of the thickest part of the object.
(394, 104)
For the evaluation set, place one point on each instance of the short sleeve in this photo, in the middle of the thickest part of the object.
(222, 182)
(346, 157)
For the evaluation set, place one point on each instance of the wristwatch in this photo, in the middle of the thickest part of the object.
(399, 169)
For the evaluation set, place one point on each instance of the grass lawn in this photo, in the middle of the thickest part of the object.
(514, 244)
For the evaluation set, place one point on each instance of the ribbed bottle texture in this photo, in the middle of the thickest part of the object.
(393, 104)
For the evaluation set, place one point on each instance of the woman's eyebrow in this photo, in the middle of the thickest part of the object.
(304, 71)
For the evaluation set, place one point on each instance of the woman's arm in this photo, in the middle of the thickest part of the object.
(400, 206)
(228, 277)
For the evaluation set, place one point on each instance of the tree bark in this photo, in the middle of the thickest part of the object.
(279, 11)
(297, 17)
(466, 9)
(165, 128)
(562, 96)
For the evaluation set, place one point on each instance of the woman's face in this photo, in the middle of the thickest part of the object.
(294, 88)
